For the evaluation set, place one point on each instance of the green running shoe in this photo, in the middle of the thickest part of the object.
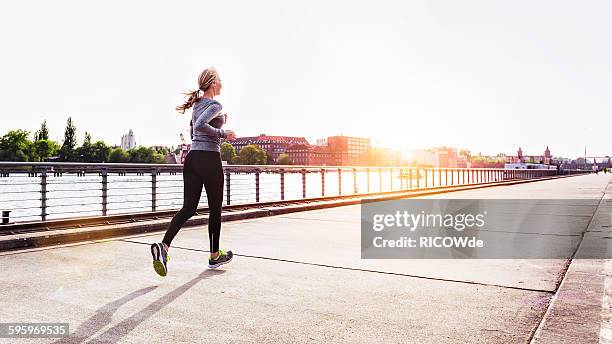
(223, 258)
(160, 258)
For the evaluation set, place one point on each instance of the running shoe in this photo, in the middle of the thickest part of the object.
(223, 258)
(160, 258)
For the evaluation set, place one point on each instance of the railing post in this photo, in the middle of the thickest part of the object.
(153, 190)
(418, 178)
(368, 179)
(303, 183)
(354, 180)
(282, 184)
(401, 175)
(227, 187)
(104, 191)
(43, 194)
(257, 172)
(410, 181)
(391, 178)
(6, 214)
(446, 177)
(379, 180)
(425, 177)
(339, 181)
(322, 182)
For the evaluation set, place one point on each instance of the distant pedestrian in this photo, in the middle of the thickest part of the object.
(203, 167)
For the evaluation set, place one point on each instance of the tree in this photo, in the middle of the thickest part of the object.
(284, 159)
(251, 155)
(15, 146)
(85, 152)
(269, 159)
(142, 154)
(228, 152)
(119, 155)
(43, 133)
(44, 149)
(67, 152)
(100, 152)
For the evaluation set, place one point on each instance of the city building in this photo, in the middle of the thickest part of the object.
(128, 141)
(273, 145)
(439, 157)
(349, 150)
(301, 154)
(332, 151)
(322, 142)
(545, 159)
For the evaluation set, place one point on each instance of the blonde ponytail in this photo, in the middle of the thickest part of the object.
(205, 80)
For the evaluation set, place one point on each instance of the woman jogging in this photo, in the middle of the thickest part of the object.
(202, 168)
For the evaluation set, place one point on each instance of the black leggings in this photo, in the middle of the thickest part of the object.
(201, 168)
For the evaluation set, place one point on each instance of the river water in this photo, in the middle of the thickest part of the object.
(75, 196)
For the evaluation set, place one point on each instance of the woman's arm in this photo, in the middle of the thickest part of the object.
(202, 125)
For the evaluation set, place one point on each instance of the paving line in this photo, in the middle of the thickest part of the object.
(359, 269)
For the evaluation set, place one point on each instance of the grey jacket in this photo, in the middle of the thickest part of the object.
(207, 120)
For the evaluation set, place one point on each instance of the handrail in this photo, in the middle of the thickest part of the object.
(243, 183)
(144, 165)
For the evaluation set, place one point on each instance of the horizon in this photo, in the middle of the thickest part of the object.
(528, 152)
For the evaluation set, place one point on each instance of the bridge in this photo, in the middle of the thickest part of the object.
(298, 276)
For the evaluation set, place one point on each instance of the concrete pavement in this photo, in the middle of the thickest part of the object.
(299, 278)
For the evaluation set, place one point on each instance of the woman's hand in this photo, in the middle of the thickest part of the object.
(230, 134)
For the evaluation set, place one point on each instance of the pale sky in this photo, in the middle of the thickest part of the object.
(486, 76)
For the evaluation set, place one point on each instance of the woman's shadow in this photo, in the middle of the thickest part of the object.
(104, 315)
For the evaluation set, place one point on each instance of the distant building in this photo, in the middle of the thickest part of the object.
(545, 159)
(273, 145)
(438, 157)
(348, 150)
(128, 141)
(332, 151)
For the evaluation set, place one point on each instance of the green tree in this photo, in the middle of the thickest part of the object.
(85, 152)
(228, 152)
(100, 152)
(251, 155)
(119, 155)
(15, 146)
(164, 150)
(147, 155)
(284, 159)
(43, 133)
(269, 158)
(67, 152)
(140, 154)
(45, 148)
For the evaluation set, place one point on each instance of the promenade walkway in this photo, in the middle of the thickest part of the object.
(299, 278)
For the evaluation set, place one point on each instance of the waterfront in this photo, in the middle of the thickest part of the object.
(71, 195)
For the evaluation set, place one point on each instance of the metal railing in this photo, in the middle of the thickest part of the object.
(40, 191)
